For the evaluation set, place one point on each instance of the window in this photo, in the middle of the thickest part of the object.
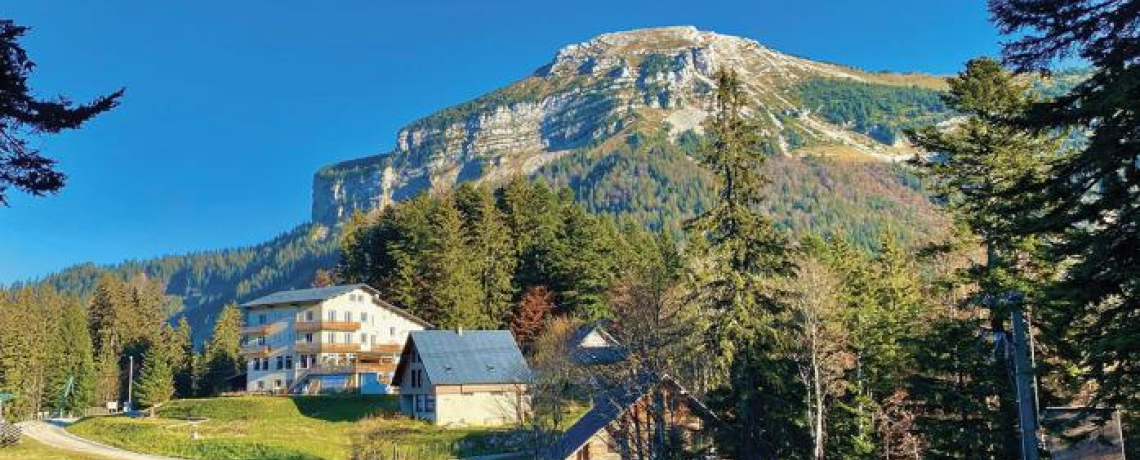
(260, 385)
(261, 319)
(332, 315)
(308, 337)
(280, 362)
(347, 337)
(303, 361)
(261, 340)
(373, 339)
(309, 316)
(348, 316)
(277, 384)
(331, 337)
(289, 362)
(392, 331)
(419, 403)
(363, 338)
(429, 403)
(363, 317)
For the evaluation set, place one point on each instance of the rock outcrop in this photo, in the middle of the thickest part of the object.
(591, 91)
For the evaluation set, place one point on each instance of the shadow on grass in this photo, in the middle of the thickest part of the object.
(345, 408)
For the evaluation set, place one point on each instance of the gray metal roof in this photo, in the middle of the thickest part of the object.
(304, 295)
(470, 357)
(591, 356)
(609, 405)
(325, 293)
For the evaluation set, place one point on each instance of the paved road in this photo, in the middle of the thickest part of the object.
(54, 435)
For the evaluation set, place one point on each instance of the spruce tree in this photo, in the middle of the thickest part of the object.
(738, 254)
(492, 252)
(182, 354)
(452, 284)
(1091, 198)
(980, 161)
(74, 366)
(222, 357)
(156, 380)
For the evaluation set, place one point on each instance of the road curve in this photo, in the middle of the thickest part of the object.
(54, 435)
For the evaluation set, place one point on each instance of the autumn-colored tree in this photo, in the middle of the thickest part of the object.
(531, 313)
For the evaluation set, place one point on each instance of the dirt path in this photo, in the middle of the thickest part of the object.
(54, 435)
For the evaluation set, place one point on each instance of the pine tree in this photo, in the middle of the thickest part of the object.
(74, 365)
(222, 360)
(1091, 198)
(738, 255)
(182, 353)
(492, 252)
(156, 381)
(451, 277)
(984, 157)
(110, 304)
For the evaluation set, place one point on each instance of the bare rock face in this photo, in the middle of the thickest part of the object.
(590, 92)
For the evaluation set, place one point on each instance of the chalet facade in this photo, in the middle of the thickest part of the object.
(620, 424)
(324, 340)
(462, 378)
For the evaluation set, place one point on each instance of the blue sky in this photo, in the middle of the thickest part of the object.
(232, 105)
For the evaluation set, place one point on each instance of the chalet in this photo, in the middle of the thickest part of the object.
(619, 425)
(592, 345)
(462, 378)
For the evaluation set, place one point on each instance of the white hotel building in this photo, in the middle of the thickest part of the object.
(330, 339)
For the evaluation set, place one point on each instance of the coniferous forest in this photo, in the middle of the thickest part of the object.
(814, 324)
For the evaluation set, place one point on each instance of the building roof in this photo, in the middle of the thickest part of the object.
(320, 294)
(586, 354)
(304, 295)
(467, 357)
(609, 406)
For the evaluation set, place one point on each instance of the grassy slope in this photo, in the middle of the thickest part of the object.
(253, 428)
(30, 449)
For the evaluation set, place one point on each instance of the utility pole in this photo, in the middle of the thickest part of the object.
(1024, 380)
(130, 380)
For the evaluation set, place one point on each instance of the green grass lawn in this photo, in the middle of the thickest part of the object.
(30, 449)
(285, 428)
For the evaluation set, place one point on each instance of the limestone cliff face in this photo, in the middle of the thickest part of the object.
(589, 93)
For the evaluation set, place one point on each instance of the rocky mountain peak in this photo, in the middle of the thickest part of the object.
(608, 87)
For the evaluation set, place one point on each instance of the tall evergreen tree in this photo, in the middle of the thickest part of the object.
(492, 252)
(156, 380)
(222, 360)
(451, 284)
(182, 352)
(74, 374)
(982, 159)
(739, 253)
(1092, 197)
(110, 304)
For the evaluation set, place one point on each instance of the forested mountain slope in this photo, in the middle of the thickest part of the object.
(615, 120)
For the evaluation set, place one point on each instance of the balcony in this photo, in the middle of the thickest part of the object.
(355, 368)
(316, 326)
(255, 330)
(320, 347)
(255, 350)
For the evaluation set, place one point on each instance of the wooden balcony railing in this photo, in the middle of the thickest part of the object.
(315, 326)
(355, 368)
(320, 347)
(255, 330)
(255, 350)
